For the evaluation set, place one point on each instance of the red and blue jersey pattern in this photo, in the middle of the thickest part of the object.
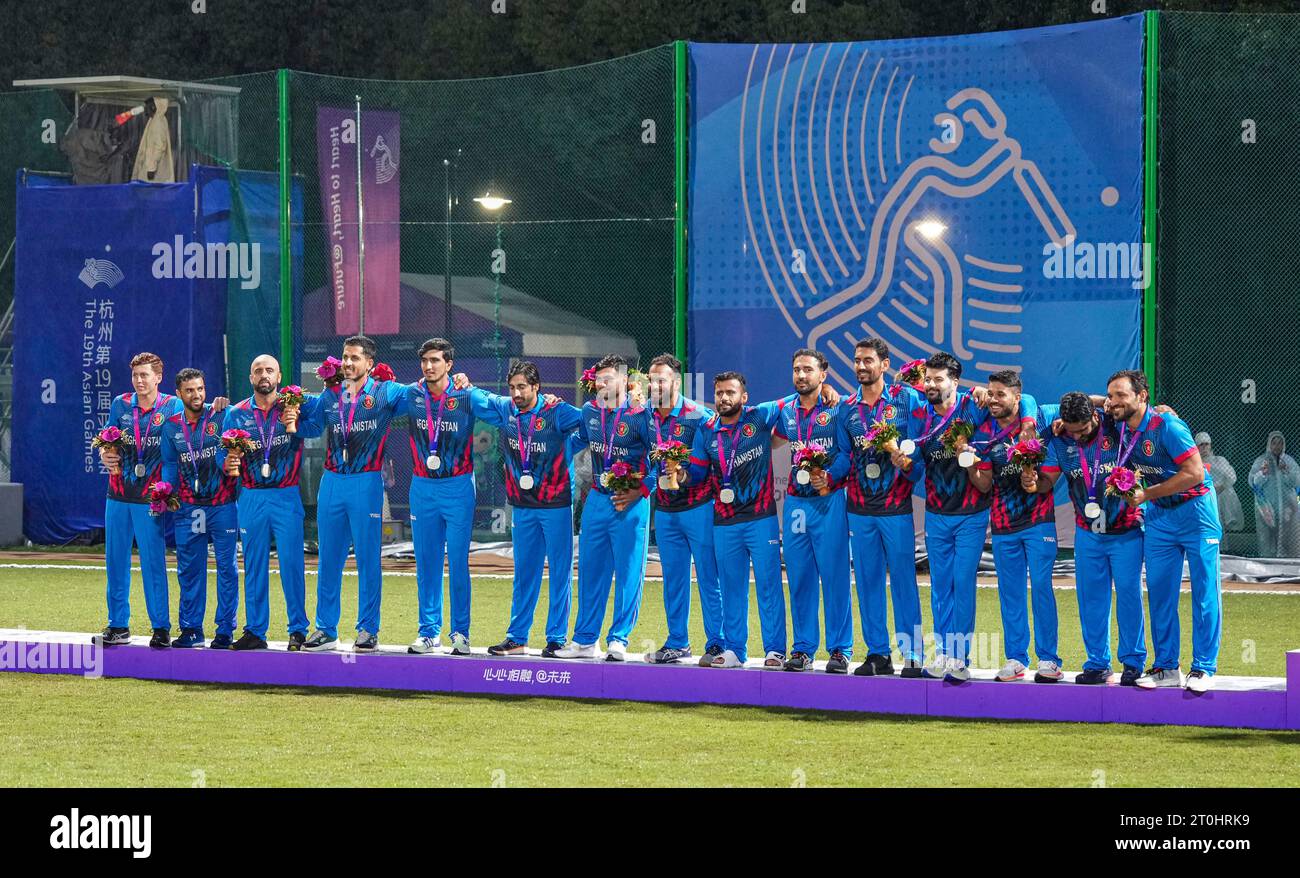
(126, 486)
(680, 425)
(629, 441)
(550, 427)
(1164, 442)
(1117, 517)
(747, 447)
(454, 429)
(271, 444)
(197, 459)
(819, 425)
(371, 412)
(890, 493)
(1013, 509)
(948, 489)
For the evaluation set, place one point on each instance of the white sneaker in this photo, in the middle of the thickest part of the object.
(774, 661)
(1199, 681)
(1049, 672)
(956, 671)
(459, 644)
(617, 652)
(1012, 670)
(1160, 678)
(727, 659)
(936, 669)
(424, 645)
(577, 650)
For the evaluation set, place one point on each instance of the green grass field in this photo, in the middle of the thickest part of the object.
(73, 731)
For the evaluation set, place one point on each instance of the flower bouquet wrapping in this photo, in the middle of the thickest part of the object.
(671, 454)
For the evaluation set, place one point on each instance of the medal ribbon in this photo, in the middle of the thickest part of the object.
(609, 437)
(185, 431)
(726, 462)
(261, 433)
(525, 450)
(435, 429)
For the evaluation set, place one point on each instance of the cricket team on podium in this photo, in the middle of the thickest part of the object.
(989, 456)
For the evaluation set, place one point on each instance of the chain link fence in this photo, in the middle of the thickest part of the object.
(1228, 255)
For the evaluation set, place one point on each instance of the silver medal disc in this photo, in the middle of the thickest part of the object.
(266, 470)
(907, 446)
(803, 477)
(726, 495)
(1092, 510)
(526, 482)
(966, 458)
(139, 471)
(432, 461)
(873, 470)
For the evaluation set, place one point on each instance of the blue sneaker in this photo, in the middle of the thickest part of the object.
(190, 638)
(221, 641)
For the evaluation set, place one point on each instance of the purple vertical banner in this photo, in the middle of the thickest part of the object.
(372, 308)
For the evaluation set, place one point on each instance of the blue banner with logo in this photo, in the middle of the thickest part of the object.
(101, 274)
(974, 194)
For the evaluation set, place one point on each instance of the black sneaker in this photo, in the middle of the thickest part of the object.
(296, 640)
(799, 661)
(1093, 677)
(551, 648)
(912, 669)
(838, 663)
(189, 639)
(667, 655)
(1130, 676)
(249, 640)
(878, 665)
(116, 636)
(221, 641)
(507, 647)
(365, 642)
(706, 660)
(162, 639)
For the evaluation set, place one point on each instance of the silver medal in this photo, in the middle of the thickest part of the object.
(526, 482)
(1092, 510)
(266, 470)
(345, 455)
(726, 495)
(907, 446)
(966, 458)
(433, 461)
(873, 470)
(139, 471)
(803, 477)
(196, 486)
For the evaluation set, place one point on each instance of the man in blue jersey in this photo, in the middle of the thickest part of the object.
(879, 504)
(1023, 518)
(614, 530)
(683, 522)
(814, 524)
(1107, 540)
(140, 416)
(441, 425)
(270, 505)
(731, 454)
(956, 511)
(349, 504)
(193, 459)
(533, 437)
(1182, 524)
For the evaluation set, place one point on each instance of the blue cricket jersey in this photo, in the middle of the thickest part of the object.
(356, 426)
(541, 434)
(441, 424)
(890, 492)
(1013, 509)
(193, 458)
(1163, 443)
(948, 489)
(146, 448)
(271, 444)
(614, 435)
(1098, 458)
(819, 425)
(738, 456)
(680, 425)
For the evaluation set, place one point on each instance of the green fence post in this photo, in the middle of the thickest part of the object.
(288, 368)
(1151, 29)
(679, 210)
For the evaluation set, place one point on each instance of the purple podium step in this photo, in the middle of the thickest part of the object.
(1239, 702)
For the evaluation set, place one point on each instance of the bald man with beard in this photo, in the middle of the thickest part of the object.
(270, 505)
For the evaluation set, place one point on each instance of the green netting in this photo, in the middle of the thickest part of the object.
(1229, 210)
(586, 156)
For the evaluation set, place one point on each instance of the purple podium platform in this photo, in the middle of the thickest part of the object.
(1236, 702)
